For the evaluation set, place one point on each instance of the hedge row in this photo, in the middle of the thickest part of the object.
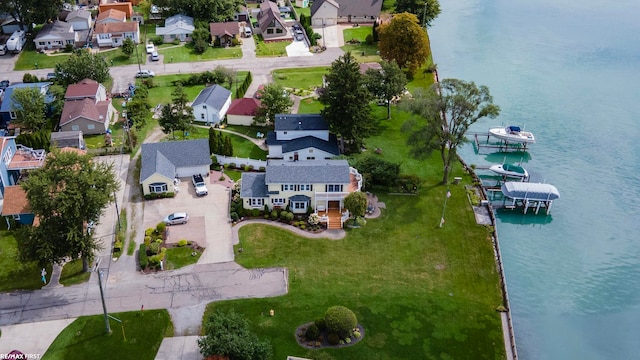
(242, 89)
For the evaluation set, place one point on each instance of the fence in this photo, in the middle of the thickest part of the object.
(239, 162)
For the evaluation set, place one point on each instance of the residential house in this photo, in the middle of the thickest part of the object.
(242, 15)
(110, 16)
(332, 12)
(7, 108)
(68, 139)
(138, 17)
(10, 25)
(301, 137)
(80, 19)
(302, 3)
(303, 186)
(113, 34)
(176, 27)
(224, 33)
(56, 35)
(86, 88)
(242, 111)
(122, 6)
(211, 104)
(271, 24)
(86, 115)
(16, 205)
(165, 161)
(14, 159)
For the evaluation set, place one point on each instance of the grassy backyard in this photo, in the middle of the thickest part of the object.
(358, 33)
(420, 291)
(139, 337)
(15, 274)
(242, 147)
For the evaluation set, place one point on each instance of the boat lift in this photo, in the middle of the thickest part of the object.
(500, 144)
(534, 195)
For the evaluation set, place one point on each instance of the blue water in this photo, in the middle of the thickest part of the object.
(569, 71)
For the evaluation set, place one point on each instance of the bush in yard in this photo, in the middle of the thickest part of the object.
(117, 246)
(290, 216)
(274, 215)
(183, 243)
(149, 231)
(356, 203)
(147, 240)
(157, 41)
(320, 324)
(255, 212)
(161, 227)
(312, 332)
(232, 165)
(340, 320)
(154, 248)
(228, 335)
(262, 168)
(283, 215)
(142, 256)
(333, 339)
(314, 219)
(234, 216)
(154, 261)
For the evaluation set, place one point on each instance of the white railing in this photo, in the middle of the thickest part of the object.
(257, 164)
(325, 196)
(357, 175)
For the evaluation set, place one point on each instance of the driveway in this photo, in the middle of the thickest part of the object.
(331, 35)
(298, 48)
(208, 224)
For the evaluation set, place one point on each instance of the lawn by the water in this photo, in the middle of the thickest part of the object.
(420, 291)
(139, 337)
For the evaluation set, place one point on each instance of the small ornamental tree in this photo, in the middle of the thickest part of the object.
(356, 203)
(340, 320)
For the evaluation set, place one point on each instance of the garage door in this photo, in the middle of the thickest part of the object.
(184, 172)
(327, 21)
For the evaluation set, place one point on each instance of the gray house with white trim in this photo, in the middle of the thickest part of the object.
(176, 27)
(301, 137)
(164, 161)
(211, 104)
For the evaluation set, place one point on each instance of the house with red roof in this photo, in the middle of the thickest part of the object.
(87, 108)
(242, 111)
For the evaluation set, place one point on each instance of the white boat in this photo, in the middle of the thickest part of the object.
(512, 134)
(510, 170)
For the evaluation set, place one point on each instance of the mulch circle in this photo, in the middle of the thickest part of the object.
(324, 344)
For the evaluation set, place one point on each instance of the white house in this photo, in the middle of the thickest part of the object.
(56, 35)
(324, 12)
(81, 19)
(176, 27)
(331, 12)
(211, 104)
(113, 34)
(301, 137)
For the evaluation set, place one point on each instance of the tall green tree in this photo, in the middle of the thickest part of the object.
(346, 101)
(57, 92)
(29, 106)
(227, 334)
(29, 12)
(177, 115)
(82, 65)
(274, 100)
(405, 41)
(356, 203)
(138, 108)
(67, 192)
(446, 111)
(386, 84)
(128, 47)
(425, 10)
(200, 40)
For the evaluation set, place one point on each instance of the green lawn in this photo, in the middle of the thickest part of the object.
(15, 274)
(242, 147)
(419, 291)
(85, 338)
(271, 49)
(370, 52)
(250, 131)
(29, 58)
(359, 33)
(115, 57)
(301, 78)
(72, 273)
(303, 11)
(310, 106)
(185, 53)
(180, 257)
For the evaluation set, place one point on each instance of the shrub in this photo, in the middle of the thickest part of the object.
(314, 219)
(348, 339)
(232, 165)
(340, 320)
(266, 216)
(245, 167)
(142, 256)
(176, 41)
(320, 324)
(68, 48)
(117, 246)
(183, 242)
(147, 240)
(289, 216)
(333, 339)
(369, 39)
(234, 216)
(262, 168)
(161, 227)
(303, 226)
(274, 215)
(283, 215)
(149, 231)
(154, 260)
(251, 167)
(157, 41)
(255, 212)
(356, 334)
(312, 332)
(154, 248)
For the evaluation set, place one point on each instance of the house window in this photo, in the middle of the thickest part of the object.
(299, 205)
(253, 202)
(311, 157)
(279, 31)
(288, 187)
(91, 127)
(158, 187)
(269, 31)
(334, 188)
(41, 43)
(278, 201)
(305, 187)
(70, 42)
(75, 127)
(202, 116)
(7, 156)
(16, 216)
(12, 114)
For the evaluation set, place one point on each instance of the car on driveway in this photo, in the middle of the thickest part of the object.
(297, 27)
(155, 56)
(199, 185)
(176, 218)
(150, 48)
(144, 73)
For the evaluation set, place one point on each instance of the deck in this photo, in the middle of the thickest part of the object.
(333, 216)
(27, 158)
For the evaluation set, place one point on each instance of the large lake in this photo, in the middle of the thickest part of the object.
(569, 71)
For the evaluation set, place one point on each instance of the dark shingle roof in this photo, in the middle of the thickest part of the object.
(305, 142)
(253, 185)
(288, 122)
(214, 96)
(165, 157)
(307, 172)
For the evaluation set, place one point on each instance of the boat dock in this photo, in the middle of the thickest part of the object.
(501, 145)
(514, 194)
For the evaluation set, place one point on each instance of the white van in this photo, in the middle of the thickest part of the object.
(247, 32)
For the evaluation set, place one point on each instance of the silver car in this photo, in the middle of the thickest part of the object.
(176, 218)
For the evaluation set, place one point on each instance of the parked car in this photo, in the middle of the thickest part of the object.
(155, 56)
(150, 48)
(176, 218)
(297, 27)
(51, 76)
(199, 185)
(144, 73)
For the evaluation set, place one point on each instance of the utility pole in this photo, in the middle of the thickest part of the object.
(104, 305)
